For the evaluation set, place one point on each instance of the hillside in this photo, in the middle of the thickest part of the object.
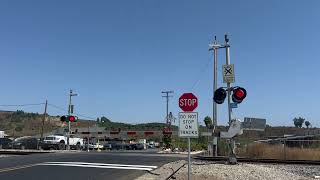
(109, 125)
(19, 123)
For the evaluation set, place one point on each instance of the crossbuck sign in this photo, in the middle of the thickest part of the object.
(228, 73)
(188, 124)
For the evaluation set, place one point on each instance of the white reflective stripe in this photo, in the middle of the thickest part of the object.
(102, 164)
(95, 166)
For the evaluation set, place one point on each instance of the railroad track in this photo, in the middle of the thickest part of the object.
(275, 161)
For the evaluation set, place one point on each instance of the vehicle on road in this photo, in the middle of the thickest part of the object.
(4, 143)
(24, 143)
(59, 142)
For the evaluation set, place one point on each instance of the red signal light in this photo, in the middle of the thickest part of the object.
(239, 94)
(72, 118)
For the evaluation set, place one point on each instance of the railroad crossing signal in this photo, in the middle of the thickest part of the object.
(69, 118)
(220, 95)
(238, 94)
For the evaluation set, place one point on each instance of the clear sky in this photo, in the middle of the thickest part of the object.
(119, 56)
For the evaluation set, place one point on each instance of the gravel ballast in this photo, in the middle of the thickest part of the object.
(204, 170)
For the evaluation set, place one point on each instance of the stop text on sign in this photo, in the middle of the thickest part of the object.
(188, 124)
(188, 102)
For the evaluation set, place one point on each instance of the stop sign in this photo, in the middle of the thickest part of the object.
(188, 102)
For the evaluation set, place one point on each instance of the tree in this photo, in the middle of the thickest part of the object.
(98, 120)
(307, 123)
(104, 120)
(167, 141)
(207, 120)
(298, 122)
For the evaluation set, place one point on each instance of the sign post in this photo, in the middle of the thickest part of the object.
(188, 122)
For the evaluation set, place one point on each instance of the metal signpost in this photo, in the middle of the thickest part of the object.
(188, 121)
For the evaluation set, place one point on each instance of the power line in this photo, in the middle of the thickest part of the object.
(20, 105)
(65, 110)
(57, 107)
(84, 116)
(204, 69)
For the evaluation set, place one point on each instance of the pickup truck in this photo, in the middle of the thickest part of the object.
(60, 142)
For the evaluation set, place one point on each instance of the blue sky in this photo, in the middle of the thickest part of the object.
(119, 56)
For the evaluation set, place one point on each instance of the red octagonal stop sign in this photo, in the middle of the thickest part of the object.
(188, 102)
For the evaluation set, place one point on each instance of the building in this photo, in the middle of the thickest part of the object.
(2, 134)
(257, 124)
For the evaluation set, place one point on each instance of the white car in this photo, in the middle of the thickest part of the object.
(98, 145)
(60, 142)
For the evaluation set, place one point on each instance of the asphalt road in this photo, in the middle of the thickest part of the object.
(83, 165)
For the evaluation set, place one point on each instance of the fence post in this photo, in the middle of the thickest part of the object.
(284, 149)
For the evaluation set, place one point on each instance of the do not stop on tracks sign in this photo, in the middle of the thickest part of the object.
(188, 121)
(188, 102)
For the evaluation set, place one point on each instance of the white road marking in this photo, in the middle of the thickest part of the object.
(103, 164)
(100, 165)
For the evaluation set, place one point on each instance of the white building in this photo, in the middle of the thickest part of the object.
(2, 134)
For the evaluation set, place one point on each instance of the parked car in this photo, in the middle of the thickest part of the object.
(137, 146)
(114, 146)
(24, 143)
(98, 146)
(59, 141)
(93, 146)
(4, 143)
(151, 146)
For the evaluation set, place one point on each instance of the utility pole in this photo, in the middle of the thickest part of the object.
(232, 156)
(168, 122)
(70, 111)
(167, 98)
(43, 119)
(227, 46)
(215, 46)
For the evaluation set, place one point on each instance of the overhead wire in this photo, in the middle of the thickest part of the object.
(20, 105)
(65, 110)
(204, 69)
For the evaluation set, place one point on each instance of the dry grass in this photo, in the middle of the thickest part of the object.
(260, 150)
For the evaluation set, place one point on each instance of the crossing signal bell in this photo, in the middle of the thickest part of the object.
(68, 118)
(238, 94)
(220, 95)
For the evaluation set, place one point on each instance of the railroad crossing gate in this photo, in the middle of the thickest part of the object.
(228, 73)
(188, 125)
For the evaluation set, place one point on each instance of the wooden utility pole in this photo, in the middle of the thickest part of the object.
(44, 118)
